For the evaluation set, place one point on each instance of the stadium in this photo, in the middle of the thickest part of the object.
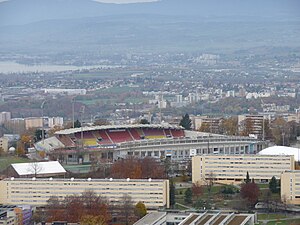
(83, 145)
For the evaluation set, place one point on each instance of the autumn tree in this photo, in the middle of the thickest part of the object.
(140, 210)
(205, 127)
(229, 126)
(136, 168)
(126, 212)
(247, 127)
(250, 192)
(197, 190)
(186, 122)
(92, 220)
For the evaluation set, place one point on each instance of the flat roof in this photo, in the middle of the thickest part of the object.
(88, 179)
(52, 167)
(107, 127)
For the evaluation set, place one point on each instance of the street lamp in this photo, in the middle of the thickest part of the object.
(82, 108)
(43, 132)
(73, 111)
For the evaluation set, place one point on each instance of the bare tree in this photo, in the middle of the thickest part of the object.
(35, 168)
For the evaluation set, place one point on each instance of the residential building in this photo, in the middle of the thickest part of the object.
(211, 124)
(4, 144)
(233, 168)
(4, 117)
(252, 124)
(36, 191)
(290, 187)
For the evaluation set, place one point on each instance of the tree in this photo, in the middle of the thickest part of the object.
(92, 220)
(126, 212)
(247, 180)
(172, 194)
(35, 168)
(250, 192)
(273, 185)
(140, 210)
(248, 127)
(188, 195)
(200, 204)
(197, 190)
(144, 121)
(77, 124)
(186, 122)
(230, 126)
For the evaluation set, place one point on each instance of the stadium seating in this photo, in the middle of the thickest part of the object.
(134, 133)
(66, 140)
(118, 136)
(168, 133)
(102, 137)
(153, 133)
(177, 133)
(90, 142)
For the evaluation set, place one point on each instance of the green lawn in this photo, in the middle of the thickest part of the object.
(270, 216)
(5, 161)
(285, 222)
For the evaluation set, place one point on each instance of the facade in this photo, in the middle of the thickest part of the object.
(8, 217)
(56, 91)
(290, 187)
(254, 121)
(80, 145)
(4, 144)
(4, 117)
(233, 168)
(185, 218)
(211, 124)
(153, 193)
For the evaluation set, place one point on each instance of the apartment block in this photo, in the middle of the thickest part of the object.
(230, 169)
(153, 193)
(4, 144)
(4, 117)
(290, 187)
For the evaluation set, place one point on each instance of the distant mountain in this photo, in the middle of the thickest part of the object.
(15, 12)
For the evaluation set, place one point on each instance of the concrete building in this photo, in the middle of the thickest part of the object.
(254, 121)
(233, 168)
(4, 117)
(8, 217)
(56, 91)
(153, 193)
(290, 187)
(4, 144)
(191, 218)
(212, 124)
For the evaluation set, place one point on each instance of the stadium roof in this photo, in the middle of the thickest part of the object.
(52, 167)
(281, 150)
(107, 127)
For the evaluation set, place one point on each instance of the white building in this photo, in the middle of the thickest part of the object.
(4, 117)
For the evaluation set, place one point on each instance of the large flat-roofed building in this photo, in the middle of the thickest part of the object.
(290, 187)
(233, 168)
(153, 193)
(199, 218)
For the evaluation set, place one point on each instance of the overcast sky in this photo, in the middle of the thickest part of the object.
(115, 1)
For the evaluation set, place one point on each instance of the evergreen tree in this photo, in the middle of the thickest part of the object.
(144, 121)
(186, 122)
(172, 194)
(247, 178)
(273, 185)
(77, 124)
(188, 195)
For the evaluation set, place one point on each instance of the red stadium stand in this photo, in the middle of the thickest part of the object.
(177, 133)
(134, 133)
(118, 136)
(155, 133)
(66, 140)
(102, 137)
